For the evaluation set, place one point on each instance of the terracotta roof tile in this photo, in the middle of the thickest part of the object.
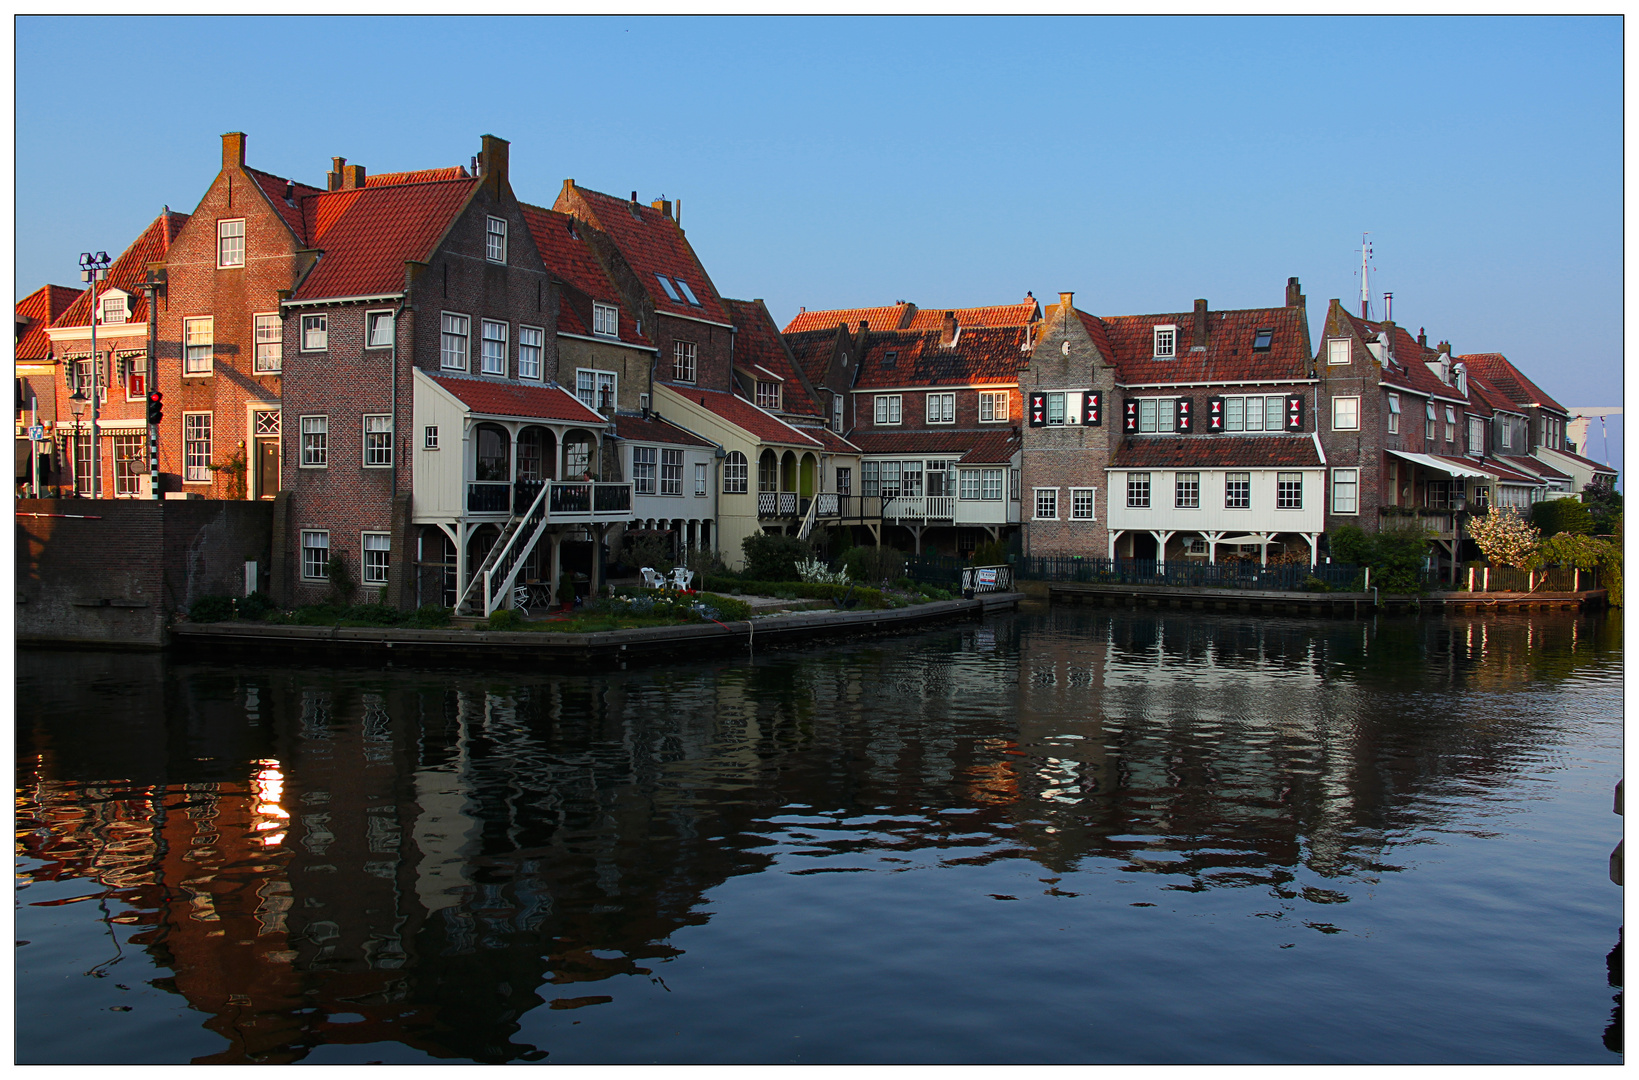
(274, 188)
(987, 444)
(367, 234)
(128, 272)
(1533, 466)
(904, 316)
(1217, 452)
(812, 351)
(830, 440)
(1502, 471)
(757, 341)
(1483, 398)
(653, 244)
(416, 176)
(993, 447)
(567, 254)
(1228, 354)
(982, 355)
(878, 318)
(743, 414)
(1497, 370)
(512, 399)
(41, 308)
(654, 429)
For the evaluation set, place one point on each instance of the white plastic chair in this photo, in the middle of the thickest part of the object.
(520, 598)
(652, 578)
(681, 577)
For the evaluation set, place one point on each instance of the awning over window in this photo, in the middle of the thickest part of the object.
(1445, 465)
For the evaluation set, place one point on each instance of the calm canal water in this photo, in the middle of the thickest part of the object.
(1055, 836)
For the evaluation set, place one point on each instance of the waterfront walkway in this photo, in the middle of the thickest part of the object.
(1315, 603)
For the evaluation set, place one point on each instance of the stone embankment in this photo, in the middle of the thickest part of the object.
(612, 647)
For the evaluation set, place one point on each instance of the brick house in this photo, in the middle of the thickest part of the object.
(37, 378)
(931, 398)
(119, 370)
(1563, 471)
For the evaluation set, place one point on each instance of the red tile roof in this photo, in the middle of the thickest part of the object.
(652, 244)
(812, 351)
(757, 341)
(993, 447)
(747, 417)
(274, 188)
(367, 234)
(830, 440)
(1217, 452)
(981, 355)
(416, 176)
(1099, 333)
(512, 399)
(654, 429)
(1483, 398)
(989, 445)
(128, 272)
(1502, 471)
(1496, 370)
(1408, 361)
(567, 255)
(41, 308)
(1228, 354)
(1533, 466)
(904, 316)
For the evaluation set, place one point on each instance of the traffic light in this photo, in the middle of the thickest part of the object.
(156, 407)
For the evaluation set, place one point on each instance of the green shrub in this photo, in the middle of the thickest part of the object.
(429, 617)
(505, 619)
(989, 553)
(211, 609)
(874, 565)
(1394, 554)
(377, 614)
(256, 606)
(863, 595)
(342, 585)
(1555, 516)
(933, 592)
(646, 549)
(769, 557)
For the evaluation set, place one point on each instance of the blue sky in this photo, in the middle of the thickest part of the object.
(1140, 163)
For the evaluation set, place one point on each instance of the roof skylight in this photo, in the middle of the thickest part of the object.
(1262, 341)
(688, 292)
(666, 283)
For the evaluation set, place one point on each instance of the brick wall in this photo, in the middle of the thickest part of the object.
(1069, 456)
(170, 554)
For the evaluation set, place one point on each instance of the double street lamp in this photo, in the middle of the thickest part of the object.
(93, 268)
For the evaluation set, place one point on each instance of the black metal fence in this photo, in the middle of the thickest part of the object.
(941, 570)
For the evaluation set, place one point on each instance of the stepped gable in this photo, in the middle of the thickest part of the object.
(36, 311)
(1238, 452)
(128, 272)
(1228, 354)
(367, 234)
(979, 356)
(493, 398)
(274, 187)
(757, 341)
(652, 428)
(568, 256)
(1497, 370)
(652, 244)
(743, 414)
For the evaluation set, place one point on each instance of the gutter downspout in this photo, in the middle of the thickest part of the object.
(392, 382)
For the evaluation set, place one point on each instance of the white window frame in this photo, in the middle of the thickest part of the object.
(1339, 351)
(375, 453)
(372, 321)
(836, 412)
(671, 471)
(991, 480)
(1283, 482)
(269, 331)
(942, 408)
(315, 332)
(702, 481)
(1159, 414)
(1055, 408)
(452, 327)
(605, 320)
(367, 576)
(685, 361)
(1046, 498)
(1349, 478)
(1476, 427)
(995, 403)
(888, 409)
(1078, 496)
(594, 386)
(308, 535)
(103, 312)
(130, 463)
(1166, 341)
(1140, 491)
(495, 239)
(493, 332)
(1237, 405)
(736, 473)
(645, 470)
(768, 394)
(1430, 420)
(224, 247)
(1178, 498)
(196, 473)
(314, 445)
(199, 345)
(429, 437)
(1451, 423)
(1394, 414)
(1346, 413)
(531, 351)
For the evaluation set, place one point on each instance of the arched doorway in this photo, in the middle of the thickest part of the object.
(809, 472)
(768, 472)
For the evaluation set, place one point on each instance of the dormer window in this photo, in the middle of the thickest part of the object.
(688, 293)
(495, 240)
(114, 310)
(768, 394)
(1264, 338)
(671, 290)
(606, 320)
(230, 243)
(1166, 341)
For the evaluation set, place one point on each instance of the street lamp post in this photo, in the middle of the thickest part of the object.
(76, 406)
(94, 268)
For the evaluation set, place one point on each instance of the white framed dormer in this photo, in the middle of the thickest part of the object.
(1166, 341)
(605, 320)
(114, 307)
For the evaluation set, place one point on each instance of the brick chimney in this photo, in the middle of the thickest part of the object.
(352, 177)
(332, 180)
(663, 205)
(947, 330)
(1200, 324)
(1067, 300)
(492, 161)
(1294, 293)
(233, 150)
(1422, 337)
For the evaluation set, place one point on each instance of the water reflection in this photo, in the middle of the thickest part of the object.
(439, 860)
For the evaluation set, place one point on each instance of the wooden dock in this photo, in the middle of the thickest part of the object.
(1330, 604)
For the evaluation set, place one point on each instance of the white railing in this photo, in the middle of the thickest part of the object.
(825, 504)
(788, 504)
(920, 508)
(768, 502)
(808, 520)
